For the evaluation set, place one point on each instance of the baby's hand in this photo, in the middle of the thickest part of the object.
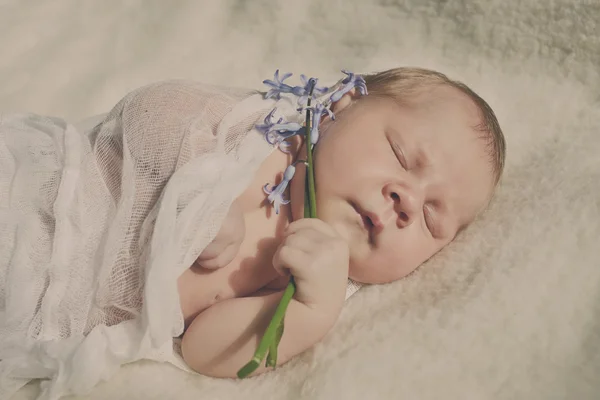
(318, 260)
(225, 246)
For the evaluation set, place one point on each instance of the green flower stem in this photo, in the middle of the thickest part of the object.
(312, 198)
(306, 199)
(270, 333)
(273, 334)
(272, 356)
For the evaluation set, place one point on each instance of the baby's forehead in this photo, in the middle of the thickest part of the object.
(447, 101)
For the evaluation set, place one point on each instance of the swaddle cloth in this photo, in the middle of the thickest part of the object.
(96, 226)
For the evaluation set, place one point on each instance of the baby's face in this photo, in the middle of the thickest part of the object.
(398, 183)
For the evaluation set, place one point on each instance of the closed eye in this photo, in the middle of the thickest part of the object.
(429, 222)
(399, 154)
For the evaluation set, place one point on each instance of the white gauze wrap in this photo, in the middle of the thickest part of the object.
(96, 226)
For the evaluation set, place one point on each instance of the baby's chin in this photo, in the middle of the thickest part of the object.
(361, 278)
(370, 274)
(360, 273)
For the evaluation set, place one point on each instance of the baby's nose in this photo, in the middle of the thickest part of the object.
(404, 204)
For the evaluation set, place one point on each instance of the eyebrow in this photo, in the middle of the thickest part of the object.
(449, 220)
(462, 225)
(461, 228)
(440, 230)
(422, 156)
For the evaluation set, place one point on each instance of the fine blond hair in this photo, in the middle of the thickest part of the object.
(403, 84)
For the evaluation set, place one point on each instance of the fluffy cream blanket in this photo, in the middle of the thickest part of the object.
(512, 309)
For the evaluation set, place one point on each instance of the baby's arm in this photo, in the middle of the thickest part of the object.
(224, 337)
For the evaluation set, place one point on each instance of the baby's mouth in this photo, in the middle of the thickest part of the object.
(370, 221)
(368, 224)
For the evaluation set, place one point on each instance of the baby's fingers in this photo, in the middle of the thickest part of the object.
(286, 258)
(310, 223)
(302, 240)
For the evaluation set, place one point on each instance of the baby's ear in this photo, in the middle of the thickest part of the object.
(345, 101)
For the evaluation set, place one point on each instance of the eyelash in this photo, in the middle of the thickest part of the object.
(428, 218)
(399, 155)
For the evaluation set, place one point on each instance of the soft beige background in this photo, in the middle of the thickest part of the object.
(512, 309)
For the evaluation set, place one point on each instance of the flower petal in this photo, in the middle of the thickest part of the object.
(267, 190)
(285, 76)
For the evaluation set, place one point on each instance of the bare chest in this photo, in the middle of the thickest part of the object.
(252, 269)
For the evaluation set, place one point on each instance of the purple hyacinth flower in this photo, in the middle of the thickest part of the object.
(276, 133)
(266, 126)
(305, 89)
(278, 87)
(275, 194)
(350, 82)
(279, 138)
(318, 111)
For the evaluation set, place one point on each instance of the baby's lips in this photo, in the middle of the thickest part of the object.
(375, 221)
(371, 220)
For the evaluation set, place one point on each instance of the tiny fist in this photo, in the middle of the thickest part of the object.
(318, 258)
(311, 223)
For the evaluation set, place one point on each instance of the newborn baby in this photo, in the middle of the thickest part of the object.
(399, 174)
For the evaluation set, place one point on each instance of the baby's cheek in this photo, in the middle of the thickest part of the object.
(397, 261)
